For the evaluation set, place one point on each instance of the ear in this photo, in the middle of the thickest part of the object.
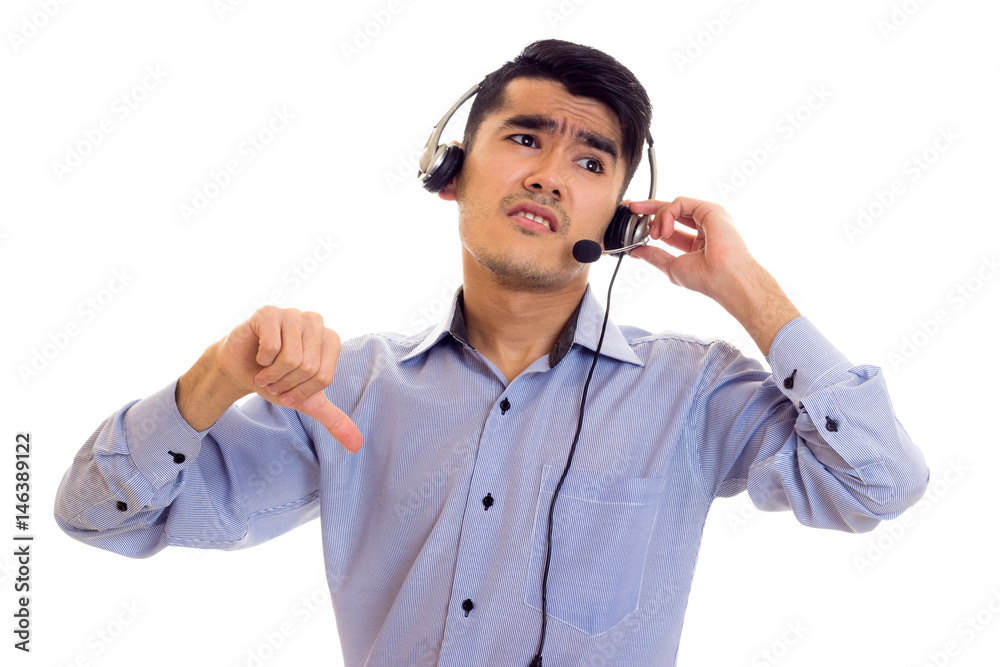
(448, 192)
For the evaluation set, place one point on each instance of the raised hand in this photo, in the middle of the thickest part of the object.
(715, 261)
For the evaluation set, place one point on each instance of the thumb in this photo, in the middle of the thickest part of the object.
(340, 426)
(658, 257)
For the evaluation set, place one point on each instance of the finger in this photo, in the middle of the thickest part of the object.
(681, 239)
(694, 212)
(658, 257)
(266, 327)
(665, 215)
(687, 206)
(664, 227)
(333, 420)
(329, 348)
(654, 208)
(311, 338)
(661, 228)
(290, 355)
(687, 221)
(647, 206)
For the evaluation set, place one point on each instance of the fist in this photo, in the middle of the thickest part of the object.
(288, 357)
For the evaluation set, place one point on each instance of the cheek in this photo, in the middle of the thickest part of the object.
(604, 213)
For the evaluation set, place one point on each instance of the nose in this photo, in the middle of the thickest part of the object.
(546, 177)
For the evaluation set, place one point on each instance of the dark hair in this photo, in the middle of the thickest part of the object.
(584, 72)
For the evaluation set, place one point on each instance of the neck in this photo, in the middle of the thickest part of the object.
(512, 327)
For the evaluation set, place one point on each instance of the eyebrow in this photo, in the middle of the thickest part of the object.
(549, 124)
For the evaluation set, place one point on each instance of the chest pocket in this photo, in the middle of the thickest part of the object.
(600, 535)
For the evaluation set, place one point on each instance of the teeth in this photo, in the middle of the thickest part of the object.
(536, 218)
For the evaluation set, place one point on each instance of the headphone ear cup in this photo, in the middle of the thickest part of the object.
(450, 165)
(614, 236)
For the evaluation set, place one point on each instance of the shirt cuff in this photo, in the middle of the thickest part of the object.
(159, 440)
(803, 361)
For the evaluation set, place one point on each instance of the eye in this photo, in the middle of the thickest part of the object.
(588, 161)
(525, 140)
(591, 164)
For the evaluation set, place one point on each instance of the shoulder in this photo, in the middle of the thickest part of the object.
(644, 342)
(676, 355)
(370, 360)
(385, 344)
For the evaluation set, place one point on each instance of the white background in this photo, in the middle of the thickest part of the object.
(340, 171)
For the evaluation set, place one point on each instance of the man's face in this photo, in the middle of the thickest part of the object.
(549, 151)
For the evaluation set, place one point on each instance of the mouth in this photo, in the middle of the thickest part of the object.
(533, 216)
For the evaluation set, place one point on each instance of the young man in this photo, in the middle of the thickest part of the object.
(435, 532)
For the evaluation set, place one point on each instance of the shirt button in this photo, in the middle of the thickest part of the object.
(178, 458)
(121, 506)
(831, 425)
(790, 380)
(467, 606)
(487, 502)
(504, 406)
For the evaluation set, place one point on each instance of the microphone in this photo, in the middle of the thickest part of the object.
(586, 251)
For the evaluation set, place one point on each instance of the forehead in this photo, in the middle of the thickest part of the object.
(550, 98)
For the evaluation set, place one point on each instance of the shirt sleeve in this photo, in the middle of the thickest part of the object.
(817, 436)
(146, 480)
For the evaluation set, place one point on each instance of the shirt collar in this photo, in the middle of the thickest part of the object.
(583, 328)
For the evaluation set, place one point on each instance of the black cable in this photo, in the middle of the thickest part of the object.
(537, 660)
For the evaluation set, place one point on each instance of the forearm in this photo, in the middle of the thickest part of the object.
(817, 434)
(758, 303)
(257, 462)
(204, 392)
(114, 493)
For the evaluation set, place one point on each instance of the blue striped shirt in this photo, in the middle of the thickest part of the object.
(434, 533)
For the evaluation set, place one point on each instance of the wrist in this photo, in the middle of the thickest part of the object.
(205, 391)
(759, 304)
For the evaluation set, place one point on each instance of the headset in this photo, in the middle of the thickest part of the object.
(440, 163)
